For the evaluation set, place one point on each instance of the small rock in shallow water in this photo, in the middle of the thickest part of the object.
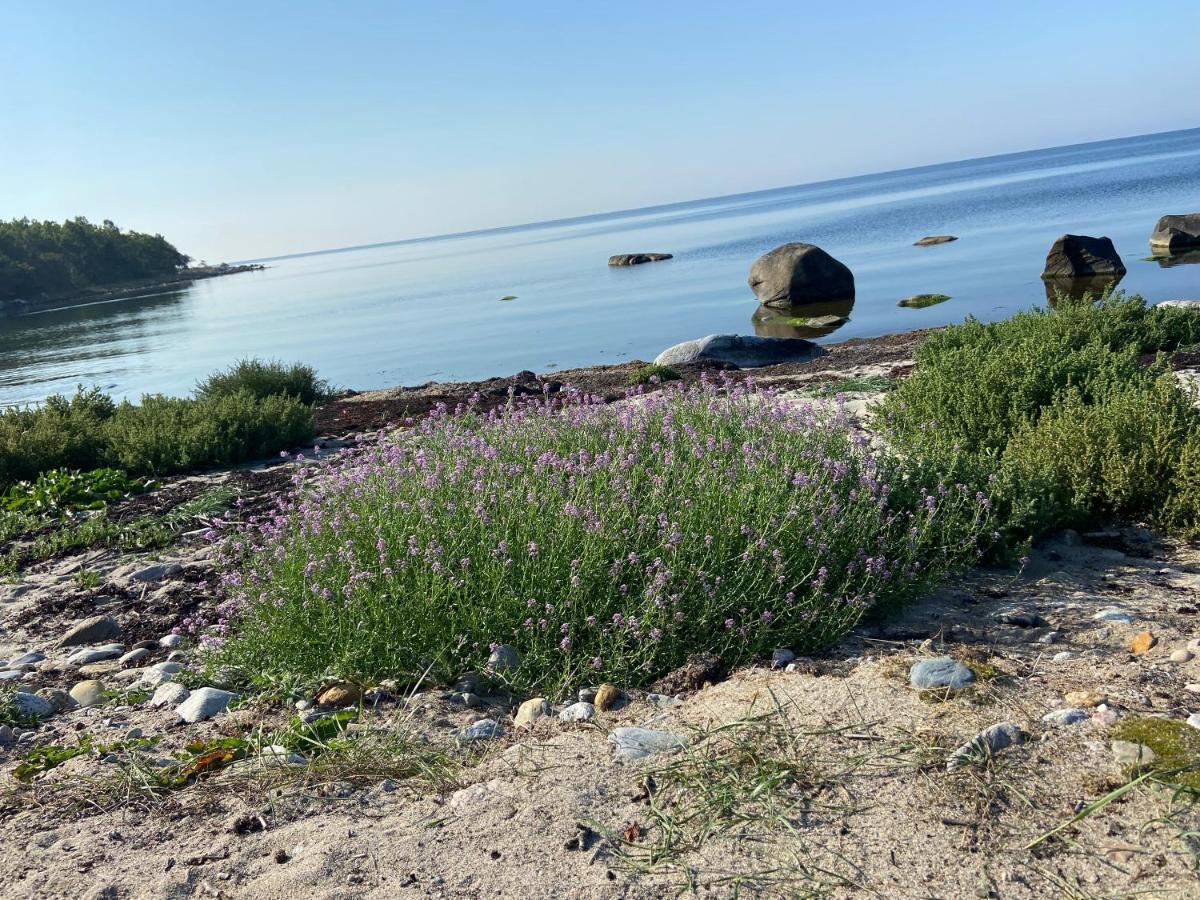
(530, 711)
(578, 712)
(88, 693)
(202, 704)
(940, 672)
(505, 656)
(481, 730)
(1128, 753)
(91, 631)
(987, 743)
(781, 657)
(1060, 718)
(608, 696)
(638, 743)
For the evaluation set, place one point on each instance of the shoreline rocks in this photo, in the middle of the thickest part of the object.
(1082, 256)
(795, 274)
(637, 259)
(1176, 232)
(933, 240)
(743, 351)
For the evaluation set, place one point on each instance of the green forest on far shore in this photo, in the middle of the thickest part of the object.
(38, 258)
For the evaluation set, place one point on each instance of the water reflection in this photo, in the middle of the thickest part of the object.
(1182, 258)
(1076, 289)
(812, 320)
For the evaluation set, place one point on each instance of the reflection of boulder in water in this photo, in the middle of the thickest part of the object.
(1184, 258)
(1078, 289)
(817, 320)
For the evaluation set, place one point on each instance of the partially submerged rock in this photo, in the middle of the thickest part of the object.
(637, 259)
(1176, 232)
(743, 351)
(934, 239)
(1082, 256)
(796, 273)
(920, 301)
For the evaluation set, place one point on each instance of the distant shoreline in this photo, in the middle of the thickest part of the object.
(12, 309)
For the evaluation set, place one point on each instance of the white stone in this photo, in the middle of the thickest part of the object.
(638, 743)
(169, 694)
(203, 703)
(134, 656)
(95, 654)
(578, 712)
(87, 693)
(171, 640)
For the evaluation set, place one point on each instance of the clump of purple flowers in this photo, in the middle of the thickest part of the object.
(603, 541)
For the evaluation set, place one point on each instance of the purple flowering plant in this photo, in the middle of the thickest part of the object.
(602, 540)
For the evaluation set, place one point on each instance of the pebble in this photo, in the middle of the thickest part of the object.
(1021, 618)
(1050, 637)
(303, 705)
(133, 734)
(343, 693)
(277, 753)
(663, 701)
(781, 657)
(150, 678)
(1113, 614)
(1063, 656)
(58, 699)
(95, 654)
(11, 674)
(1182, 656)
(134, 656)
(91, 670)
(505, 656)
(1142, 642)
(203, 703)
(6, 735)
(578, 712)
(24, 704)
(167, 668)
(940, 672)
(1192, 687)
(1085, 699)
(1106, 716)
(608, 696)
(587, 694)
(91, 631)
(470, 701)
(387, 785)
(481, 730)
(169, 694)
(26, 660)
(1194, 720)
(1061, 718)
(638, 743)
(987, 743)
(171, 640)
(87, 693)
(530, 711)
(1128, 753)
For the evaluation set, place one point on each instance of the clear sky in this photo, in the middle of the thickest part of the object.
(245, 129)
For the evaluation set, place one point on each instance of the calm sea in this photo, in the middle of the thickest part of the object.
(432, 309)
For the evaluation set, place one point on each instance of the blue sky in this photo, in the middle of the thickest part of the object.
(255, 128)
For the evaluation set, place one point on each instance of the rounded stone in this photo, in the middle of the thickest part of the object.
(608, 696)
(505, 656)
(88, 693)
(530, 711)
(940, 672)
(1182, 656)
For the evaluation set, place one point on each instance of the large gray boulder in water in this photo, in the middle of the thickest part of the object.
(743, 351)
(795, 274)
(1176, 233)
(1081, 256)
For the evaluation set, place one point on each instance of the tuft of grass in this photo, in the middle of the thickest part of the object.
(654, 374)
(920, 301)
(867, 384)
(716, 518)
(261, 379)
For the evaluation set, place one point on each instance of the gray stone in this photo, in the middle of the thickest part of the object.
(588, 694)
(781, 657)
(935, 239)
(26, 660)
(1063, 656)
(482, 730)
(1061, 718)
(663, 701)
(1194, 720)
(504, 657)
(171, 640)
(638, 743)
(58, 699)
(91, 631)
(6, 736)
(167, 668)
(95, 654)
(637, 259)
(203, 703)
(469, 700)
(11, 674)
(1182, 656)
(530, 711)
(1050, 637)
(1178, 232)
(1113, 614)
(24, 704)
(743, 351)
(578, 712)
(88, 693)
(1021, 618)
(986, 744)
(134, 656)
(1081, 256)
(940, 672)
(156, 572)
(796, 273)
(1128, 753)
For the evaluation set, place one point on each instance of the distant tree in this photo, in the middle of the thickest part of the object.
(47, 257)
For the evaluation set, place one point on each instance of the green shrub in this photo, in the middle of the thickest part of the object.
(654, 374)
(1183, 508)
(265, 379)
(604, 542)
(170, 434)
(62, 433)
(60, 490)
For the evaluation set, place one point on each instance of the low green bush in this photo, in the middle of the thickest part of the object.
(61, 490)
(654, 374)
(265, 379)
(61, 434)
